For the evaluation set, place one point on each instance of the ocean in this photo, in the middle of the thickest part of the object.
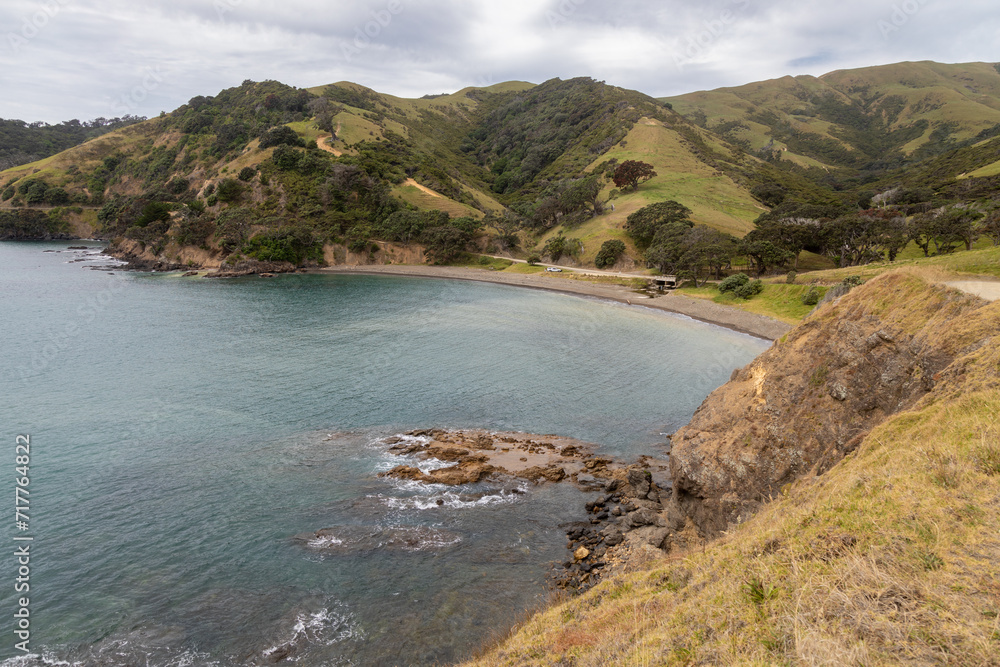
(184, 430)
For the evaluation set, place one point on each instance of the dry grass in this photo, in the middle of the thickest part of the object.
(892, 557)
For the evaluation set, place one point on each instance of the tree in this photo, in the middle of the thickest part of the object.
(958, 223)
(609, 254)
(282, 134)
(229, 190)
(644, 223)
(582, 193)
(668, 247)
(506, 226)
(990, 227)
(445, 243)
(707, 248)
(945, 228)
(789, 233)
(559, 245)
(630, 173)
(764, 254)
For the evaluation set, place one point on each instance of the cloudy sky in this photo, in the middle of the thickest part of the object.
(62, 59)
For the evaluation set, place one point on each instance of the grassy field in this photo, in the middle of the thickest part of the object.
(889, 558)
(957, 265)
(714, 199)
(426, 202)
(782, 302)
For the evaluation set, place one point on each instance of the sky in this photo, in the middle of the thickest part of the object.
(84, 59)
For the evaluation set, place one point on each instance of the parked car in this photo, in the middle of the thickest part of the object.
(554, 269)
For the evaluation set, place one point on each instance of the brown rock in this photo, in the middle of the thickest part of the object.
(581, 553)
(804, 404)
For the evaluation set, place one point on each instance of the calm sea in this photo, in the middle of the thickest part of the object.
(183, 430)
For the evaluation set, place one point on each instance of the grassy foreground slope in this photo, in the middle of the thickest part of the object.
(891, 557)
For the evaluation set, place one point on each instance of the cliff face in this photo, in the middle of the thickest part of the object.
(812, 398)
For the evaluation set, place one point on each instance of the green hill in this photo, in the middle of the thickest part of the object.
(269, 172)
(855, 118)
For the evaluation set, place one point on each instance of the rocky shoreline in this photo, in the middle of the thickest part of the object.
(629, 522)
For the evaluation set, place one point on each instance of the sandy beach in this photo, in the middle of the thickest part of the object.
(699, 309)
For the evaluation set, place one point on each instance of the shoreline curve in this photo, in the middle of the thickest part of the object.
(709, 312)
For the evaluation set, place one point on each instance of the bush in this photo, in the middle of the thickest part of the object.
(285, 245)
(229, 190)
(177, 186)
(790, 279)
(852, 281)
(246, 173)
(281, 135)
(749, 290)
(154, 211)
(734, 282)
(534, 258)
(609, 253)
(811, 298)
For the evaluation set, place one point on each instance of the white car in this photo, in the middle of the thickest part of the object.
(553, 269)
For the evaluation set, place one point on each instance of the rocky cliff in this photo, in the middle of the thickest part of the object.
(812, 398)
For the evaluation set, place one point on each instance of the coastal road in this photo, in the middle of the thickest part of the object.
(989, 290)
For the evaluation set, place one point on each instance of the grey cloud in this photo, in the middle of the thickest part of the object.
(93, 52)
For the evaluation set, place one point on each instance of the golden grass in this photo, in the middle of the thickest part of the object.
(892, 557)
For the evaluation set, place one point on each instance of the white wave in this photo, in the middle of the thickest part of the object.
(449, 500)
(323, 628)
(324, 541)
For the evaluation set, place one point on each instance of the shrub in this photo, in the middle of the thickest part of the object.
(8, 193)
(152, 212)
(609, 253)
(534, 258)
(790, 278)
(194, 231)
(229, 190)
(811, 298)
(852, 281)
(285, 245)
(246, 173)
(282, 134)
(734, 282)
(749, 290)
(177, 185)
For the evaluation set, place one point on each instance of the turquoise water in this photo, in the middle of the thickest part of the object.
(184, 430)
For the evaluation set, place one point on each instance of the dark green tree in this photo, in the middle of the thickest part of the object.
(644, 223)
(609, 254)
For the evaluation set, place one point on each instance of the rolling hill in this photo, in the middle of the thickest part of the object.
(864, 118)
(265, 172)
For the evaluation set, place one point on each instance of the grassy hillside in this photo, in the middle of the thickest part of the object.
(853, 118)
(888, 558)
